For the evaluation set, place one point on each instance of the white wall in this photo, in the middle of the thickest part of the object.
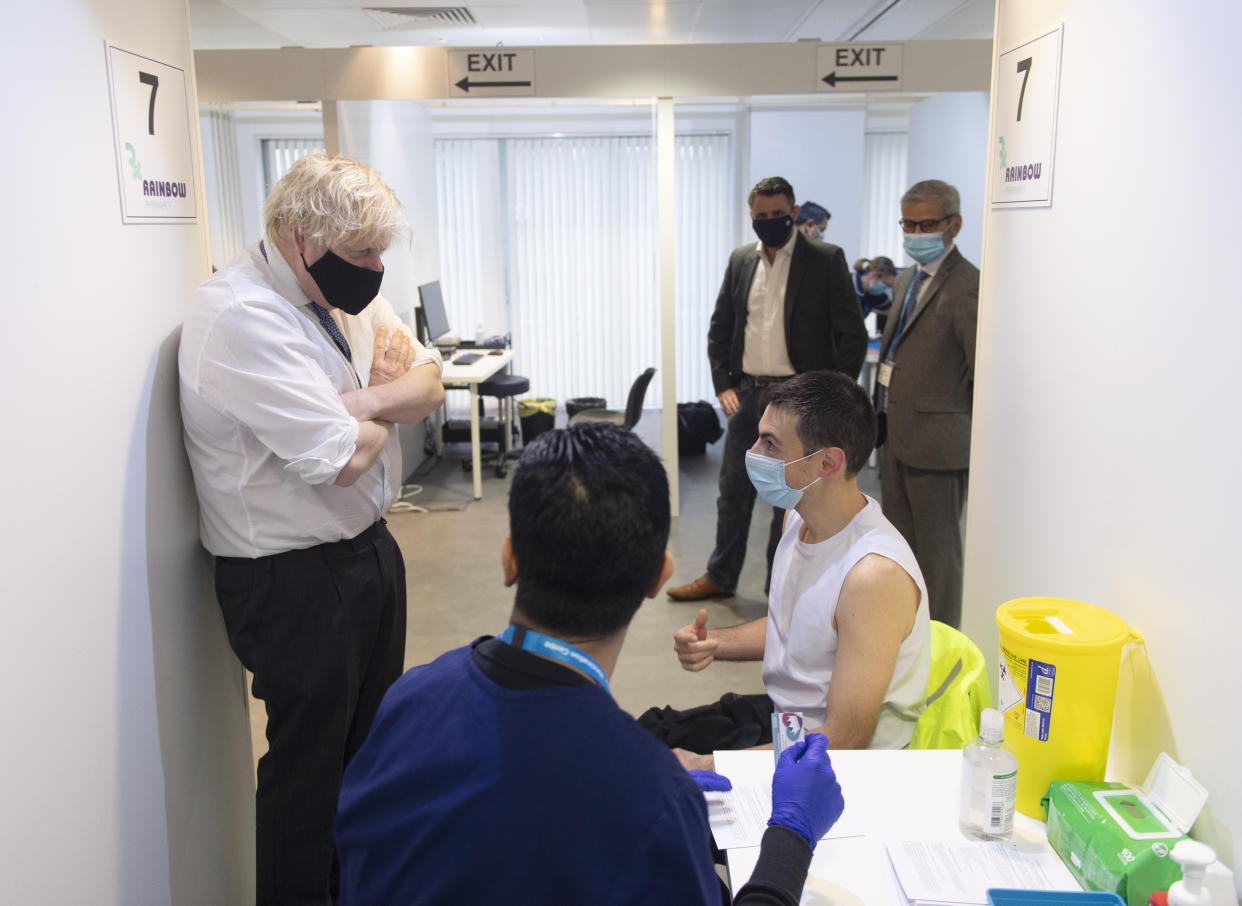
(126, 772)
(949, 141)
(1103, 464)
(820, 152)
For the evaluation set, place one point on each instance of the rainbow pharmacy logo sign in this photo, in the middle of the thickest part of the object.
(1018, 173)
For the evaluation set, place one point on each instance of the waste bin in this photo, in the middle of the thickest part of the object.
(697, 426)
(537, 415)
(579, 403)
(1059, 662)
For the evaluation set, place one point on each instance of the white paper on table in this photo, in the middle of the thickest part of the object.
(960, 872)
(739, 816)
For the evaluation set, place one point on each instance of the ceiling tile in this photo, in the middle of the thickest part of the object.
(634, 24)
(747, 22)
(531, 17)
(224, 24)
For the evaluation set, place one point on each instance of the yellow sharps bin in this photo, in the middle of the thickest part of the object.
(1058, 666)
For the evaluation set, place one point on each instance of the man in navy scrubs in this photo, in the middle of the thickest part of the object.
(504, 771)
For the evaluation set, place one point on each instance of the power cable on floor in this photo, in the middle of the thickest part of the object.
(402, 503)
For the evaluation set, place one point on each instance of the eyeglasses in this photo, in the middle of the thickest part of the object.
(922, 226)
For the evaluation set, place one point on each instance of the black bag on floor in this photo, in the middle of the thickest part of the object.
(697, 426)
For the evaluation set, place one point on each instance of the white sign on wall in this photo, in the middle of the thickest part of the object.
(858, 67)
(496, 72)
(151, 132)
(1027, 84)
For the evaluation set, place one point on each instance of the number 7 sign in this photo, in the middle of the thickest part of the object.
(151, 133)
(1025, 126)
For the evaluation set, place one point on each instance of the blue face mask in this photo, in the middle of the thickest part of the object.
(774, 232)
(877, 289)
(923, 247)
(767, 474)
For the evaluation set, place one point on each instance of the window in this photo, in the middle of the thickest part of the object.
(279, 154)
(556, 238)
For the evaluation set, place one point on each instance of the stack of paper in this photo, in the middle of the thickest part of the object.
(740, 816)
(960, 873)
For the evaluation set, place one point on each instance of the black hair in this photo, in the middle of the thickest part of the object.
(589, 520)
(832, 411)
(883, 266)
(812, 212)
(771, 185)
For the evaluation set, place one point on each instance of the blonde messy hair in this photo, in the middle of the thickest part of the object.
(334, 201)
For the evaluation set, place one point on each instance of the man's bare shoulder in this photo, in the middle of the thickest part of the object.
(877, 584)
(876, 569)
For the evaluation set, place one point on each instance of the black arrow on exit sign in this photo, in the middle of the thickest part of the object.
(832, 78)
(465, 84)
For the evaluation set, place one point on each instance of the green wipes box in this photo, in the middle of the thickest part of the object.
(1116, 838)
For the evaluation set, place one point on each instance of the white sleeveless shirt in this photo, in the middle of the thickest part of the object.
(800, 648)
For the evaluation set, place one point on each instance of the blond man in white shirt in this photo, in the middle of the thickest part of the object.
(787, 305)
(294, 371)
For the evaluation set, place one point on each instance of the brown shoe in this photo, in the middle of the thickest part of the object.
(697, 590)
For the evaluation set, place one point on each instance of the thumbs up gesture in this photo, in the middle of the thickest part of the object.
(694, 649)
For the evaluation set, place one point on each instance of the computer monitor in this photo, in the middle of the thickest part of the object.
(434, 315)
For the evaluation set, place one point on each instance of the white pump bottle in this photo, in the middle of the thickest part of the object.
(1194, 857)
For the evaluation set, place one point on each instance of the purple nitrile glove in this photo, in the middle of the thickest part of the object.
(806, 797)
(710, 781)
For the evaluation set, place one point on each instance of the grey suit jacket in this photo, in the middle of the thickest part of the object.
(931, 390)
(824, 328)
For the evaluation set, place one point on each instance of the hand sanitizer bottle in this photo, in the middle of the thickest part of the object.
(1194, 857)
(989, 782)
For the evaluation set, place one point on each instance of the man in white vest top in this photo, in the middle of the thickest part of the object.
(846, 638)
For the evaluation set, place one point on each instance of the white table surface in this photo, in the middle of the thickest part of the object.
(894, 795)
(472, 375)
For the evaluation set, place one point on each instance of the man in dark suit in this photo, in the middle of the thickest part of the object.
(786, 306)
(924, 392)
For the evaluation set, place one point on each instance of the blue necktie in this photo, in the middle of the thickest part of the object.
(907, 306)
(325, 318)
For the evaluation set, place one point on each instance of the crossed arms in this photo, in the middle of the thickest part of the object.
(395, 393)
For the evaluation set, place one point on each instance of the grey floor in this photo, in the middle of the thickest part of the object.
(456, 593)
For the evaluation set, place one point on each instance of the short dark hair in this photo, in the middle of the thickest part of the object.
(810, 212)
(771, 185)
(883, 266)
(832, 411)
(589, 520)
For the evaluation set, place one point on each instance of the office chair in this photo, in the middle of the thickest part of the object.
(633, 406)
(957, 691)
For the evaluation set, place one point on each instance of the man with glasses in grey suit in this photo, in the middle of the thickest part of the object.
(924, 392)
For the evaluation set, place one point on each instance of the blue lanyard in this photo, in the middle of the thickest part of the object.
(538, 643)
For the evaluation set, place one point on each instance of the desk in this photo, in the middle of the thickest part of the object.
(904, 794)
(472, 375)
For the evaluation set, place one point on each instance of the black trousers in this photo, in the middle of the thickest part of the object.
(323, 632)
(736, 500)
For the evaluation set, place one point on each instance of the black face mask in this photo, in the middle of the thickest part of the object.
(774, 232)
(345, 286)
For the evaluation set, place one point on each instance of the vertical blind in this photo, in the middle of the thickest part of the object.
(884, 165)
(279, 155)
(564, 229)
(230, 231)
(468, 190)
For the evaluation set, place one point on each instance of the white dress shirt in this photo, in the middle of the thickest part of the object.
(764, 352)
(265, 427)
